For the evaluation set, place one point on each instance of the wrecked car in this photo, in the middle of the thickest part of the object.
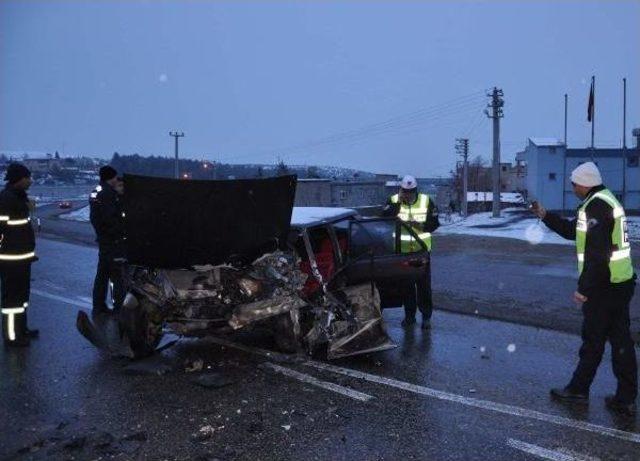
(214, 257)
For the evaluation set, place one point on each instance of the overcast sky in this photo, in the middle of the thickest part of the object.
(381, 86)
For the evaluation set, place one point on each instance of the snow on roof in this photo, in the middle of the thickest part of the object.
(505, 197)
(306, 216)
(546, 142)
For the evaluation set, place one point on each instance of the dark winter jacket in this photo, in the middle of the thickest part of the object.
(106, 215)
(17, 239)
(595, 274)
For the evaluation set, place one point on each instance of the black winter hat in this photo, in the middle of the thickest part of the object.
(15, 172)
(107, 173)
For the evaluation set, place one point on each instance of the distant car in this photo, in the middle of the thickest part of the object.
(64, 205)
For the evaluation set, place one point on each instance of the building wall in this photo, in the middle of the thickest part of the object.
(327, 193)
(353, 194)
(557, 194)
(611, 170)
(313, 193)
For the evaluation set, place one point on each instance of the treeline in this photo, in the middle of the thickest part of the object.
(204, 169)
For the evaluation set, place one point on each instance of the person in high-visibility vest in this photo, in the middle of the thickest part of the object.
(17, 252)
(605, 287)
(419, 211)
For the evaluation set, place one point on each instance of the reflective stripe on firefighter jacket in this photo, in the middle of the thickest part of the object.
(17, 240)
(620, 265)
(416, 213)
(11, 313)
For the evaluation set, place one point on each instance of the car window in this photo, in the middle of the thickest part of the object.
(378, 236)
(375, 236)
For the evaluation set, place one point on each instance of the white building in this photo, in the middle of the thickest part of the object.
(549, 164)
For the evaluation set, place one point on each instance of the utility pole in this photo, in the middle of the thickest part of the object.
(566, 105)
(176, 135)
(624, 140)
(496, 114)
(462, 148)
(592, 112)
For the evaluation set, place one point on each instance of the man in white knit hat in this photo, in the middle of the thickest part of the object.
(605, 287)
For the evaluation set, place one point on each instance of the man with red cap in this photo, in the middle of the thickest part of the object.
(17, 252)
(605, 287)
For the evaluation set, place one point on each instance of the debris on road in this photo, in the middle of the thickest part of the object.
(154, 365)
(195, 365)
(212, 380)
(140, 436)
(484, 354)
(206, 432)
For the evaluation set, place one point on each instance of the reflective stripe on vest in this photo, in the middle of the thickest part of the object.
(620, 264)
(416, 213)
(422, 236)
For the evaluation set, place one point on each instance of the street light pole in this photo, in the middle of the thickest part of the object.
(176, 135)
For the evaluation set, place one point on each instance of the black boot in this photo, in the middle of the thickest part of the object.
(22, 341)
(408, 321)
(28, 332)
(32, 334)
(569, 395)
(620, 406)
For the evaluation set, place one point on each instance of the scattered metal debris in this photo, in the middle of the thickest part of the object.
(212, 380)
(206, 432)
(195, 365)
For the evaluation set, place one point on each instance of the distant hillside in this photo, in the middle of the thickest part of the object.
(199, 169)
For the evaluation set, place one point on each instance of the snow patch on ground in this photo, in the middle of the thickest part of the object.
(512, 224)
(516, 224)
(81, 214)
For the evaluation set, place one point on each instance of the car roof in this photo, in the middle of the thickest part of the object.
(310, 216)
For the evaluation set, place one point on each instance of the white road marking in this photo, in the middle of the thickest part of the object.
(73, 302)
(85, 299)
(477, 403)
(316, 382)
(446, 396)
(544, 453)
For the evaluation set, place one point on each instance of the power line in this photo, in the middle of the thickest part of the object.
(396, 128)
(421, 116)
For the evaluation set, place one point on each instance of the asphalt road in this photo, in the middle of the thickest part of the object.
(437, 396)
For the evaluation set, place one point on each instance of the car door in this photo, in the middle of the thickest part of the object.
(374, 254)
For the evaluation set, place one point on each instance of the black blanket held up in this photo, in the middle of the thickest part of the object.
(173, 223)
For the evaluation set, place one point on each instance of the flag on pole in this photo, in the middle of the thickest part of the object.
(591, 107)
